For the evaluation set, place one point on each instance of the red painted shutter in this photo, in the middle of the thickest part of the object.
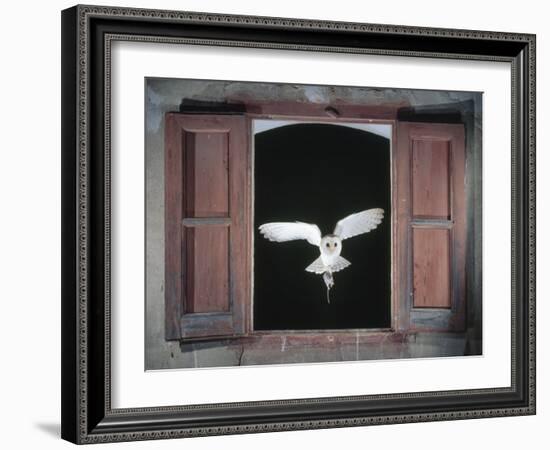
(431, 226)
(206, 225)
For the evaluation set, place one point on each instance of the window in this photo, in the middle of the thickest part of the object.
(319, 173)
(221, 182)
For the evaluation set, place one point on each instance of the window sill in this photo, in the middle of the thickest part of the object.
(311, 346)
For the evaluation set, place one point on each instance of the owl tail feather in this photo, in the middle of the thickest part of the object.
(329, 281)
(318, 266)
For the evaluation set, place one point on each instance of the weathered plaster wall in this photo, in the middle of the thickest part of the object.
(163, 95)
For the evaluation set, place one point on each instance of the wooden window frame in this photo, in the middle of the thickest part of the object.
(322, 114)
(400, 322)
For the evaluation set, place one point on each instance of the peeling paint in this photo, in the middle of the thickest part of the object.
(195, 359)
(153, 117)
(315, 94)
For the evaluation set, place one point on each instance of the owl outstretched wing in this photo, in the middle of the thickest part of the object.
(359, 223)
(291, 231)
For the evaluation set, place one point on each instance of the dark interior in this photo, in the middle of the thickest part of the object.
(320, 173)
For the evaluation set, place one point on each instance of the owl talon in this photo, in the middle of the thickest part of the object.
(329, 281)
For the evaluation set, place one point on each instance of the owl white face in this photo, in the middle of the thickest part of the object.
(331, 245)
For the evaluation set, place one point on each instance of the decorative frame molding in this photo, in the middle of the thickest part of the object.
(87, 34)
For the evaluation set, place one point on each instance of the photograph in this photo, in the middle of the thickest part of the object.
(294, 223)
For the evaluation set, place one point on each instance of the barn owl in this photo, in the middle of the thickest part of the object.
(330, 245)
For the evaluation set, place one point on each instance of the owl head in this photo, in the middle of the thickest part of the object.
(331, 244)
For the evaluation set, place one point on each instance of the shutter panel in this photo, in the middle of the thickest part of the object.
(207, 221)
(431, 226)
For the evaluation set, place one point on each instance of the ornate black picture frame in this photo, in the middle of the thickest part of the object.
(87, 35)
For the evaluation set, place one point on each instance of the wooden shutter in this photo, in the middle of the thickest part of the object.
(206, 225)
(431, 226)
